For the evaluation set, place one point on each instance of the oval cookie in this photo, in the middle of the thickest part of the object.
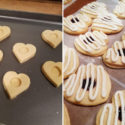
(90, 86)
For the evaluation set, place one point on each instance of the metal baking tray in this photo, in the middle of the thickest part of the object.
(83, 115)
(41, 104)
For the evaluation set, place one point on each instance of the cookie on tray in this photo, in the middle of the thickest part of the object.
(90, 86)
(113, 113)
(107, 23)
(66, 116)
(119, 10)
(76, 24)
(92, 9)
(92, 43)
(71, 61)
(115, 56)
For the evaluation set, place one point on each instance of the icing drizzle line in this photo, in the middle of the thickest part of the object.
(113, 52)
(91, 41)
(89, 71)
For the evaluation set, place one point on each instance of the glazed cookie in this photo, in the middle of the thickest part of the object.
(53, 72)
(15, 83)
(67, 1)
(92, 43)
(71, 61)
(92, 9)
(24, 52)
(53, 38)
(66, 116)
(107, 23)
(90, 86)
(115, 56)
(120, 10)
(77, 24)
(113, 113)
(5, 32)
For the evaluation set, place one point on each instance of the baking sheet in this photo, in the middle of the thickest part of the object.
(41, 104)
(81, 115)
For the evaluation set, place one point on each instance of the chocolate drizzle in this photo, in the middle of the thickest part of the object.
(120, 113)
(123, 49)
(76, 19)
(88, 87)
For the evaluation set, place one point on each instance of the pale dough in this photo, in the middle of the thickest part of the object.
(15, 84)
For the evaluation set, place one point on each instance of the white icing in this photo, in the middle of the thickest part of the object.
(67, 60)
(96, 38)
(113, 52)
(119, 95)
(108, 21)
(88, 72)
(74, 26)
(120, 8)
(93, 8)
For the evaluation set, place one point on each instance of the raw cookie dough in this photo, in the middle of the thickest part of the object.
(113, 113)
(107, 23)
(67, 1)
(115, 57)
(66, 116)
(24, 52)
(53, 38)
(120, 10)
(77, 24)
(90, 86)
(92, 43)
(71, 61)
(92, 9)
(15, 84)
(53, 72)
(5, 32)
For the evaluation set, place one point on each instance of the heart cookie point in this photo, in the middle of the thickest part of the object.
(15, 84)
(53, 72)
(24, 52)
(53, 38)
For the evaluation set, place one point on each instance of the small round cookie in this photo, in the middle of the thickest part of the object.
(113, 113)
(92, 9)
(76, 24)
(123, 36)
(90, 86)
(71, 61)
(67, 1)
(1, 55)
(119, 10)
(107, 23)
(66, 116)
(92, 43)
(115, 56)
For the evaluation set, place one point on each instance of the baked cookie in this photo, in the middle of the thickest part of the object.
(123, 36)
(53, 72)
(5, 32)
(90, 86)
(66, 116)
(92, 9)
(92, 43)
(1, 55)
(71, 61)
(24, 52)
(113, 113)
(15, 84)
(119, 10)
(115, 56)
(53, 38)
(107, 23)
(77, 24)
(67, 1)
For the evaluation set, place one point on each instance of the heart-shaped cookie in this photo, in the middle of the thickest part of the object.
(24, 52)
(53, 72)
(113, 113)
(15, 83)
(5, 32)
(53, 38)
